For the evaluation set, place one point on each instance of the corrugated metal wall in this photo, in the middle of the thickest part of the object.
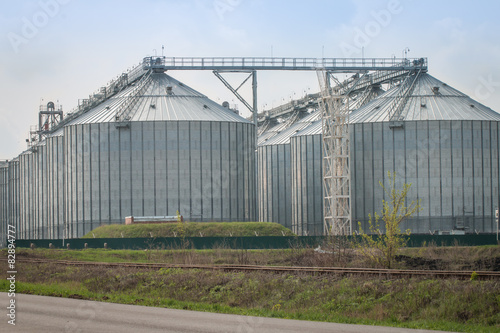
(203, 169)
(307, 185)
(453, 167)
(274, 175)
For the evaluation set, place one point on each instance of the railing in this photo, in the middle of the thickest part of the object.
(271, 63)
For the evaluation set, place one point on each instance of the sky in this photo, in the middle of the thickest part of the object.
(64, 50)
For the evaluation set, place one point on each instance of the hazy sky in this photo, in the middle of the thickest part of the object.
(64, 50)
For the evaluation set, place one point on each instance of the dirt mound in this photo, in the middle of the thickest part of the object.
(487, 264)
(420, 263)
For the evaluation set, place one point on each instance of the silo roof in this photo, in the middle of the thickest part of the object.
(284, 137)
(431, 99)
(272, 132)
(314, 129)
(157, 104)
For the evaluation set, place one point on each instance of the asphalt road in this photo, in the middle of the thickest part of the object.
(54, 314)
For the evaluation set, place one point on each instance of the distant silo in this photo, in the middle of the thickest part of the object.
(4, 202)
(445, 144)
(274, 174)
(307, 180)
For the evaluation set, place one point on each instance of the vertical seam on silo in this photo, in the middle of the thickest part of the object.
(211, 171)
(381, 157)
(167, 186)
(74, 140)
(269, 195)
(69, 183)
(492, 205)
(238, 176)
(309, 196)
(482, 176)
(35, 193)
(463, 171)
(109, 172)
(352, 166)
(90, 175)
(53, 189)
(405, 158)
(80, 187)
(140, 190)
(417, 169)
(371, 126)
(30, 222)
(190, 171)
(294, 187)
(99, 177)
(26, 198)
(473, 172)
(274, 193)
(51, 184)
(178, 169)
(440, 178)
(288, 183)
(200, 147)
(293, 168)
(22, 194)
(230, 183)
(119, 149)
(497, 125)
(262, 173)
(243, 158)
(296, 182)
(364, 170)
(393, 150)
(221, 176)
(260, 193)
(278, 180)
(34, 221)
(154, 169)
(429, 214)
(452, 177)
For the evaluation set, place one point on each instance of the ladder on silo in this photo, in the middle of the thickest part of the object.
(122, 116)
(404, 92)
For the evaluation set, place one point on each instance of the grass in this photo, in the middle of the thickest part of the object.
(450, 305)
(190, 229)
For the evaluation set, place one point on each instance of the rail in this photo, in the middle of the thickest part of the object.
(392, 273)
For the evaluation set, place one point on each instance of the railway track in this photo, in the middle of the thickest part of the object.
(385, 273)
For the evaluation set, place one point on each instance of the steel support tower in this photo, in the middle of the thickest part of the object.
(336, 174)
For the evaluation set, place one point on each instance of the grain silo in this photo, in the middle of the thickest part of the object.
(307, 180)
(4, 201)
(444, 143)
(146, 145)
(274, 174)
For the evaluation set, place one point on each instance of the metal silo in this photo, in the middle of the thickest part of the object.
(4, 202)
(274, 174)
(156, 150)
(307, 180)
(444, 143)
